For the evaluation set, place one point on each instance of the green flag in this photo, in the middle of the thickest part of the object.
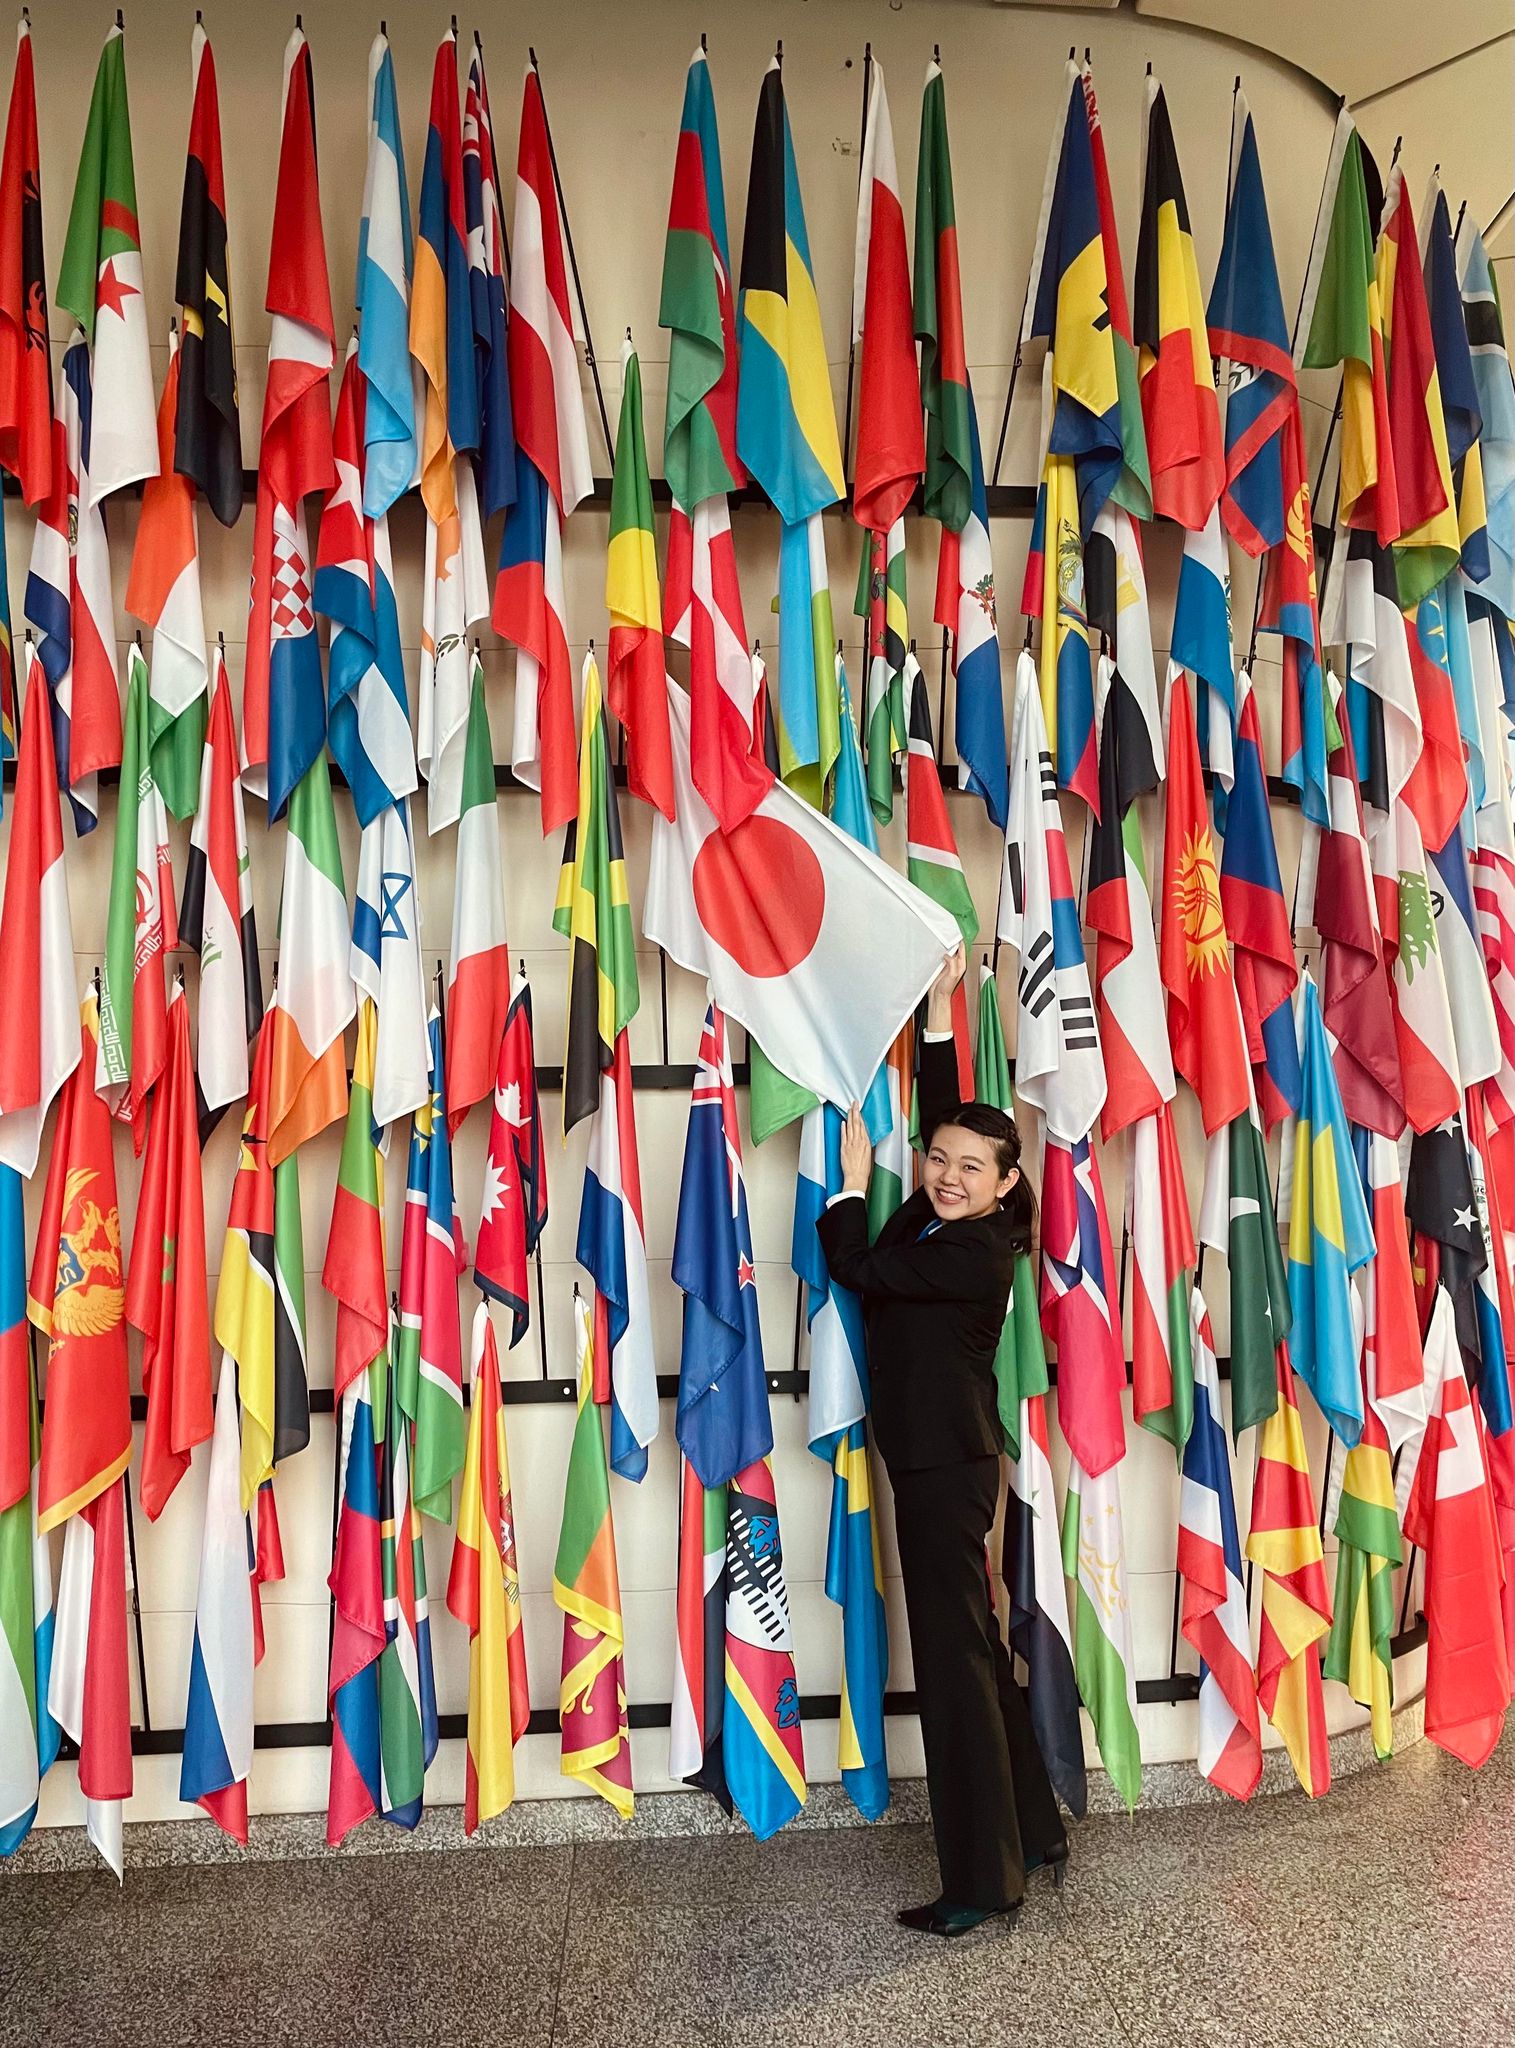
(1020, 1363)
(1094, 1558)
(881, 603)
(939, 319)
(1260, 1312)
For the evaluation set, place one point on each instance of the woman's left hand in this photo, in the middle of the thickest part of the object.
(857, 1152)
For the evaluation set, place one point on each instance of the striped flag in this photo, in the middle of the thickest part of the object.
(932, 861)
(612, 1250)
(1236, 1217)
(586, 1586)
(635, 687)
(1392, 1362)
(382, 296)
(1496, 406)
(355, 1786)
(407, 1687)
(284, 705)
(28, 1734)
(696, 1722)
(1115, 588)
(890, 453)
(1475, 1028)
(1493, 876)
(478, 980)
(1359, 1654)
(945, 395)
(1284, 1543)
(1361, 614)
(354, 1269)
(484, 1594)
(1039, 1630)
(428, 1371)
(88, 1691)
(315, 999)
(1426, 540)
(1080, 1308)
(386, 961)
(1132, 489)
(1214, 1618)
(163, 591)
(881, 604)
(26, 360)
(486, 285)
(1437, 789)
(216, 917)
(207, 439)
(1104, 1659)
(1201, 643)
(513, 1204)
(1162, 1241)
(40, 1048)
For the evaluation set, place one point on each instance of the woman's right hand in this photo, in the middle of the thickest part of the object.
(944, 988)
(857, 1153)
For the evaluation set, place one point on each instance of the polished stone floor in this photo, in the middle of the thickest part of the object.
(1384, 1917)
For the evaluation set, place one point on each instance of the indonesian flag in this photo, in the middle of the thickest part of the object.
(703, 612)
(811, 942)
(513, 1206)
(283, 704)
(1449, 1513)
(39, 1047)
(26, 360)
(89, 1692)
(478, 983)
(891, 452)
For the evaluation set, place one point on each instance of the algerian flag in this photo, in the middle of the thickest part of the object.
(1094, 1557)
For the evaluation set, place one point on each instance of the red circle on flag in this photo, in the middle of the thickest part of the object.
(760, 894)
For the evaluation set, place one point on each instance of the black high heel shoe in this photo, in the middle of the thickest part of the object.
(951, 1921)
(1056, 1861)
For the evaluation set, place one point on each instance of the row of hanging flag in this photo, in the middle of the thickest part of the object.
(1412, 1028)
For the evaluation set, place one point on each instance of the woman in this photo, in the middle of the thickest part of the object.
(935, 1288)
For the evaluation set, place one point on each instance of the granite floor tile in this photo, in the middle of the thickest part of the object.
(884, 1866)
(442, 1949)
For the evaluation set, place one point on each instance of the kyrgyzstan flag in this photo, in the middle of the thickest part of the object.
(810, 941)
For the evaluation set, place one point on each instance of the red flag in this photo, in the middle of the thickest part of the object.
(1438, 786)
(891, 450)
(89, 1693)
(514, 1205)
(166, 1288)
(1194, 954)
(1079, 1305)
(26, 360)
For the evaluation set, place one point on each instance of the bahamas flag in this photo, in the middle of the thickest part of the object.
(1330, 1233)
(786, 433)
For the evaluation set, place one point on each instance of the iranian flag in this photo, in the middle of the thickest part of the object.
(478, 983)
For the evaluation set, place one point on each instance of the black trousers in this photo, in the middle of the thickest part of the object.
(992, 1806)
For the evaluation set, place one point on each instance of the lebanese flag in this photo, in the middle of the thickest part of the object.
(1422, 1010)
(702, 610)
(39, 1047)
(513, 1207)
(811, 942)
(26, 360)
(166, 1288)
(1450, 1515)
(890, 453)
(89, 1693)
(478, 984)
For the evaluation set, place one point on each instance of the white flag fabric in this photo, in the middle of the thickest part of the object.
(808, 940)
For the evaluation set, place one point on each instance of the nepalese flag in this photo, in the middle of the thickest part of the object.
(762, 1746)
(1393, 1365)
(76, 1297)
(552, 473)
(1422, 1012)
(260, 1296)
(699, 1688)
(29, 1736)
(932, 860)
(1214, 1619)
(1055, 592)
(354, 1269)
(1132, 490)
(1449, 1513)
(593, 912)
(723, 1421)
(207, 436)
(1204, 1018)
(40, 1047)
(1359, 1654)
(486, 285)
(1454, 375)
(1330, 1233)
(1127, 988)
(1336, 895)
(284, 706)
(1201, 642)
(141, 926)
(945, 393)
(100, 283)
(612, 1249)
(1475, 1028)
(478, 980)
(358, 1623)
(316, 997)
(882, 606)
(697, 306)
(163, 591)
(1361, 614)
(1080, 1306)
(1039, 1630)
(382, 296)
(1437, 790)
(1236, 1217)
(1058, 1065)
(1296, 1602)
(216, 917)
(1341, 321)
(1426, 544)
(1177, 376)
(484, 1593)
(228, 1641)
(1104, 1657)
(965, 602)
(1249, 333)
(26, 360)
(586, 1585)
(408, 1730)
(166, 1300)
(386, 963)
(1496, 407)
(68, 600)
(1257, 919)
(89, 1691)
(636, 688)
(890, 454)
(513, 1205)
(1162, 1240)
(369, 716)
(428, 1357)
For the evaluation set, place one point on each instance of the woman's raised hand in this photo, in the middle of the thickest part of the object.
(939, 999)
(857, 1152)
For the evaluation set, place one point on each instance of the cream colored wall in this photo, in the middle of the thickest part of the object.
(614, 81)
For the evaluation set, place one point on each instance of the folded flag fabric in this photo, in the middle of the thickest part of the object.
(945, 396)
(1369, 1552)
(1392, 1362)
(207, 425)
(1360, 612)
(1162, 1242)
(428, 1356)
(316, 997)
(358, 1632)
(385, 961)
(965, 602)
(1039, 1628)
(762, 1746)
(699, 1678)
(881, 603)
(485, 215)
(932, 860)
(1426, 540)
(1104, 1658)
(612, 1249)
(1496, 407)
(586, 1586)
(890, 452)
(635, 685)
(1080, 1306)
(26, 362)
(355, 1266)
(1236, 1217)
(478, 980)
(408, 1730)
(88, 1692)
(484, 1593)
(1020, 1359)
(513, 1205)
(1258, 922)
(1418, 987)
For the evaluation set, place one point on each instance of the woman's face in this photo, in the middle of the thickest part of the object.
(961, 1174)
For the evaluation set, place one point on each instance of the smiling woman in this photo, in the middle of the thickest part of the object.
(935, 1287)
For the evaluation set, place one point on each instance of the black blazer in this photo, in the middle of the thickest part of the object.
(933, 1308)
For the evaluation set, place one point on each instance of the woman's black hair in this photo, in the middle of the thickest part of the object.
(985, 1121)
